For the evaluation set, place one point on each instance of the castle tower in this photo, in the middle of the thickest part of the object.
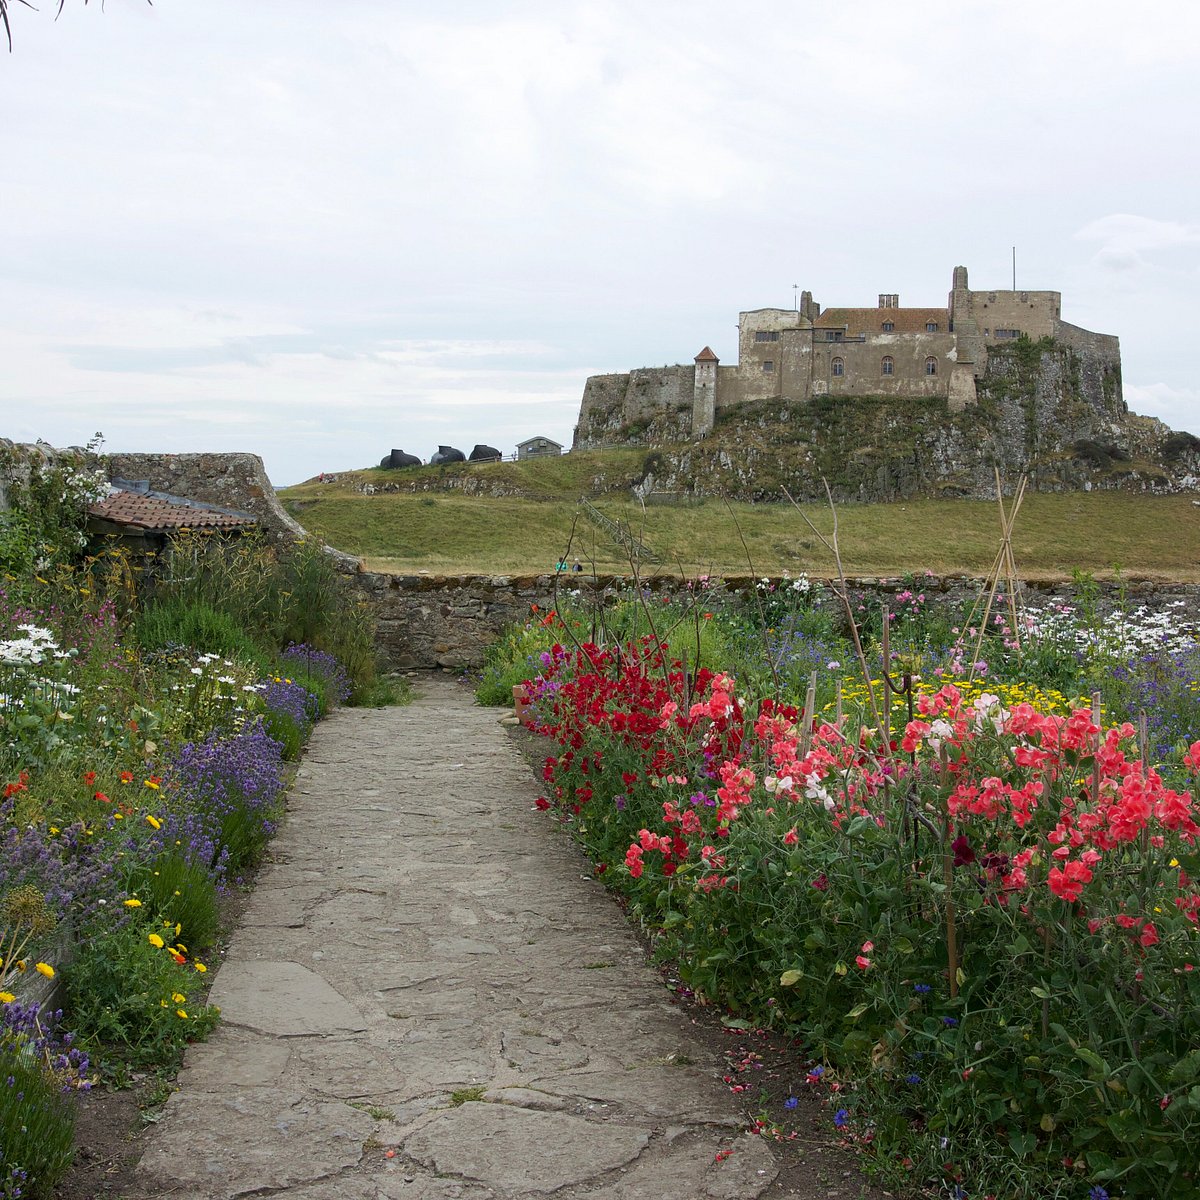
(704, 401)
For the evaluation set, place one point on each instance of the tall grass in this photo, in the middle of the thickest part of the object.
(265, 596)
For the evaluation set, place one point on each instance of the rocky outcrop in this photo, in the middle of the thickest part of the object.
(1049, 411)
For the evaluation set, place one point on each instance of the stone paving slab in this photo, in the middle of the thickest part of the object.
(431, 999)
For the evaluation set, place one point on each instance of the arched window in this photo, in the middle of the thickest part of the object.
(931, 365)
(887, 366)
(838, 367)
(931, 327)
(888, 326)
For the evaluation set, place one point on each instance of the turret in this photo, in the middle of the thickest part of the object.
(704, 402)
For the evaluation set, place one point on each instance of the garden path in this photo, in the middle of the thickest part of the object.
(430, 997)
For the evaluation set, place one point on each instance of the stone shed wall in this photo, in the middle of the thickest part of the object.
(237, 481)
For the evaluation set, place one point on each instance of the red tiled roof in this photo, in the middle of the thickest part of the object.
(706, 355)
(151, 512)
(857, 321)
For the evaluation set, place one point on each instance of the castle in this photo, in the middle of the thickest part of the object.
(797, 354)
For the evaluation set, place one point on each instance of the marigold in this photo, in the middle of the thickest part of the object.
(153, 822)
(45, 969)
(155, 940)
(6, 997)
(133, 902)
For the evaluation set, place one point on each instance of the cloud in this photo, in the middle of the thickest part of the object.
(1177, 407)
(1125, 239)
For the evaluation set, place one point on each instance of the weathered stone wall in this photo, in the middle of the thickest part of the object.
(426, 621)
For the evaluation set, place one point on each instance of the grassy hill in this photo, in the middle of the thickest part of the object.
(518, 518)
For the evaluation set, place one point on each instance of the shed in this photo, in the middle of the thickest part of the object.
(538, 447)
(144, 519)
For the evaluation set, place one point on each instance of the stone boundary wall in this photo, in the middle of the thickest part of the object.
(430, 622)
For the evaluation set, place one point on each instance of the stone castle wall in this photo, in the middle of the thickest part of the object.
(622, 408)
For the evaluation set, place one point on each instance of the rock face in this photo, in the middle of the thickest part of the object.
(1050, 411)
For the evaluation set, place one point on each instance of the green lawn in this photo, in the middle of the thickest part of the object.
(446, 532)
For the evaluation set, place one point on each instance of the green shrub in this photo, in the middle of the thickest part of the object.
(128, 992)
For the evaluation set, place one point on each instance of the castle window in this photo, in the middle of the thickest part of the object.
(888, 326)
(768, 365)
(887, 366)
(838, 367)
(931, 365)
(1008, 333)
(766, 335)
(931, 327)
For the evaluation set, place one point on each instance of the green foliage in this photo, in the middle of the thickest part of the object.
(37, 1123)
(132, 996)
(43, 527)
(290, 734)
(181, 893)
(171, 621)
(275, 595)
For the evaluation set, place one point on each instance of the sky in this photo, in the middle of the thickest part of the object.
(317, 231)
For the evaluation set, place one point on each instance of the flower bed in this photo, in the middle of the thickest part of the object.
(981, 914)
(147, 713)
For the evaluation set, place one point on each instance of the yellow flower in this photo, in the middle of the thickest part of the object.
(155, 940)
(21, 964)
(6, 997)
(200, 967)
(179, 1012)
(45, 969)
(133, 902)
(150, 783)
(154, 823)
(178, 998)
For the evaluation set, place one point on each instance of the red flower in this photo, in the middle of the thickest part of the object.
(1067, 882)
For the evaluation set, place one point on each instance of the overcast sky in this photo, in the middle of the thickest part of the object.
(319, 230)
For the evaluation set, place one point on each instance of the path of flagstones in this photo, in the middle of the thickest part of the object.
(426, 970)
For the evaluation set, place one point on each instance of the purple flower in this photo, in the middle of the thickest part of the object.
(921, 988)
(841, 1118)
(790, 1102)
